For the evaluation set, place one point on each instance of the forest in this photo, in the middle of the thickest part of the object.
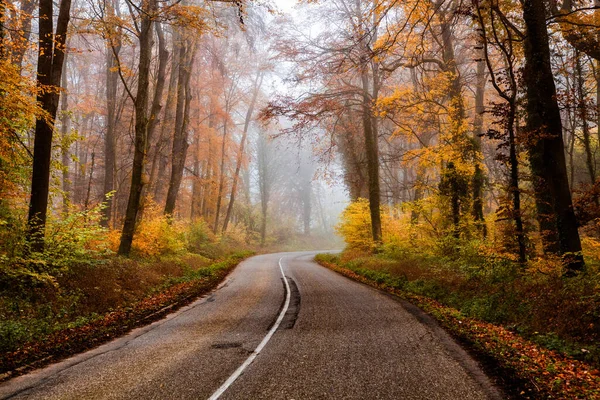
(449, 146)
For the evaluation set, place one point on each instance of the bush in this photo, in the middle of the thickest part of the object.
(155, 235)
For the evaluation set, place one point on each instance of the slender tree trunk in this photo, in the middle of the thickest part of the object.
(110, 141)
(221, 178)
(207, 179)
(65, 145)
(89, 185)
(597, 66)
(180, 144)
(51, 57)
(306, 210)
(2, 29)
(372, 151)
(155, 108)
(514, 182)
(457, 119)
(478, 176)
(240, 155)
(581, 106)
(196, 186)
(157, 174)
(163, 60)
(141, 126)
(545, 144)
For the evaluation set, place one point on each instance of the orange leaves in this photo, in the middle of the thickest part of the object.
(191, 17)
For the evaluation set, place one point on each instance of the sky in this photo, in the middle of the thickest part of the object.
(285, 5)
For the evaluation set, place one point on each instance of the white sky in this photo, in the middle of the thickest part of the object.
(285, 5)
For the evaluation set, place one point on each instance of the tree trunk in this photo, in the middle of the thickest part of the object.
(306, 210)
(456, 119)
(51, 57)
(155, 108)
(141, 126)
(196, 186)
(372, 151)
(221, 178)
(2, 29)
(581, 106)
(478, 176)
(240, 155)
(545, 144)
(65, 129)
(110, 141)
(157, 175)
(514, 182)
(180, 144)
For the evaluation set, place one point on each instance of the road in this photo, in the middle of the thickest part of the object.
(321, 336)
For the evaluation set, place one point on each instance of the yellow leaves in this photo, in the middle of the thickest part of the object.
(17, 106)
(156, 235)
(355, 226)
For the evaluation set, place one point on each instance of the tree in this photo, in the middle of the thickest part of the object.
(51, 55)
(187, 50)
(147, 15)
(113, 49)
(240, 156)
(545, 143)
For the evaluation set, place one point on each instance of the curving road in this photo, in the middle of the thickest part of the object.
(320, 335)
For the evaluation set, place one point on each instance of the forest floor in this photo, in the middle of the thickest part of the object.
(524, 368)
(105, 301)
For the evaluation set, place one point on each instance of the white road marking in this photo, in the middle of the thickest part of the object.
(238, 372)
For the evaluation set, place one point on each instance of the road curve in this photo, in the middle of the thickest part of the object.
(338, 339)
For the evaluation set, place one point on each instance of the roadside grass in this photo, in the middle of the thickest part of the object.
(538, 329)
(97, 301)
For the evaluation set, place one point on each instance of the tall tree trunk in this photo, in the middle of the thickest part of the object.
(89, 185)
(180, 144)
(51, 57)
(545, 144)
(514, 182)
(163, 60)
(221, 177)
(240, 155)
(155, 108)
(306, 209)
(110, 141)
(456, 118)
(478, 176)
(141, 126)
(196, 186)
(157, 175)
(65, 129)
(597, 66)
(581, 106)
(2, 29)
(372, 151)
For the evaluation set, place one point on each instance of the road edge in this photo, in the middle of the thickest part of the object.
(490, 376)
(91, 338)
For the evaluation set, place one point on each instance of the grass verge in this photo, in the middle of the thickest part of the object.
(529, 370)
(86, 332)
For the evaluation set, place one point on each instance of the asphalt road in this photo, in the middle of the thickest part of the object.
(321, 336)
